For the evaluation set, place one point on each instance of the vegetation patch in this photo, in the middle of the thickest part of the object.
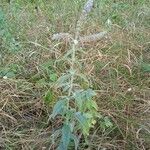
(74, 75)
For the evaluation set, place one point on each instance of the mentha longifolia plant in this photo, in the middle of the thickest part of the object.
(76, 108)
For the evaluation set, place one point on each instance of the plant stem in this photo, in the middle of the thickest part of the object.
(73, 58)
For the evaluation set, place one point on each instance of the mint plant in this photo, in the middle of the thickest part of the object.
(76, 107)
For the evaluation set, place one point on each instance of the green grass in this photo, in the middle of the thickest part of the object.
(118, 68)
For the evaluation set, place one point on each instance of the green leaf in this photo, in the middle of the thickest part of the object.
(78, 96)
(83, 122)
(49, 97)
(63, 79)
(89, 94)
(66, 135)
(76, 141)
(108, 122)
(64, 86)
(145, 67)
(10, 74)
(84, 98)
(88, 115)
(94, 105)
(91, 105)
(53, 77)
(58, 108)
(61, 146)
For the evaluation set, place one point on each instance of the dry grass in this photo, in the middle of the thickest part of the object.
(113, 65)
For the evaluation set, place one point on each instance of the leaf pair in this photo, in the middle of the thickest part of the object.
(82, 97)
(58, 108)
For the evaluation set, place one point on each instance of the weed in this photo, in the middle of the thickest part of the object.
(76, 107)
(6, 35)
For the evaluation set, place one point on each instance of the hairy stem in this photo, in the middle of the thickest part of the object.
(73, 58)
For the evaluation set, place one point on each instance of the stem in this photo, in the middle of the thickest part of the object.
(72, 67)
(86, 10)
(73, 58)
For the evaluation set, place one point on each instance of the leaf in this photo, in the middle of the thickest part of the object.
(83, 122)
(79, 99)
(66, 135)
(76, 141)
(58, 108)
(61, 146)
(145, 67)
(10, 74)
(3, 71)
(66, 87)
(90, 119)
(49, 97)
(88, 115)
(63, 79)
(92, 104)
(89, 94)
(53, 77)
(108, 122)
